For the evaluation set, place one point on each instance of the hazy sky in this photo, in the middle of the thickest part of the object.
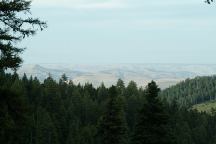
(123, 31)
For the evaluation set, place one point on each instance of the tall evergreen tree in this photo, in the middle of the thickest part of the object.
(113, 126)
(55, 106)
(45, 130)
(120, 87)
(13, 117)
(102, 94)
(16, 23)
(152, 119)
(131, 89)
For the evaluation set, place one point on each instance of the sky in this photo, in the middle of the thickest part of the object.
(123, 31)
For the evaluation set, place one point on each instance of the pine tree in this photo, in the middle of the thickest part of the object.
(45, 130)
(120, 87)
(16, 24)
(54, 105)
(74, 136)
(131, 89)
(13, 116)
(113, 126)
(102, 94)
(152, 119)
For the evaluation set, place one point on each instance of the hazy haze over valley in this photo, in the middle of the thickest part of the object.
(165, 74)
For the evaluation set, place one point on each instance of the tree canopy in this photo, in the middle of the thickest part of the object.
(53, 112)
(16, 23)
(151, 127)
(209, 1)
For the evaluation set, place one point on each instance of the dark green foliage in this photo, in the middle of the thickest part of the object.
(209, 1)
(131, 89)
(102, 93)
(44, 128)
(63, 113)
(192, 91)
(113, 126)
(15, 28)
(13, 117)
(120, 87)
(152, 120)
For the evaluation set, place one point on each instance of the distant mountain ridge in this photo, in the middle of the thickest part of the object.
(164, 74)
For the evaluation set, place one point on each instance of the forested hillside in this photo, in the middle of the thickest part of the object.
(63, 113)
(192, 91)
(54, 111)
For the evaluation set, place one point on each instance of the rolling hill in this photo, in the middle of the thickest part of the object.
(165, 75)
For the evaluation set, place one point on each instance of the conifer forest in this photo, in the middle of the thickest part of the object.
(62, 112)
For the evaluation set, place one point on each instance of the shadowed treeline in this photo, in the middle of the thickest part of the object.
(56, 112)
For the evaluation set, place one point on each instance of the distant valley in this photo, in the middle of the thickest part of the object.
(164, 74)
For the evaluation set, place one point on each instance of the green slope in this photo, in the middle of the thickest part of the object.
(205, 107)
(192, 91)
